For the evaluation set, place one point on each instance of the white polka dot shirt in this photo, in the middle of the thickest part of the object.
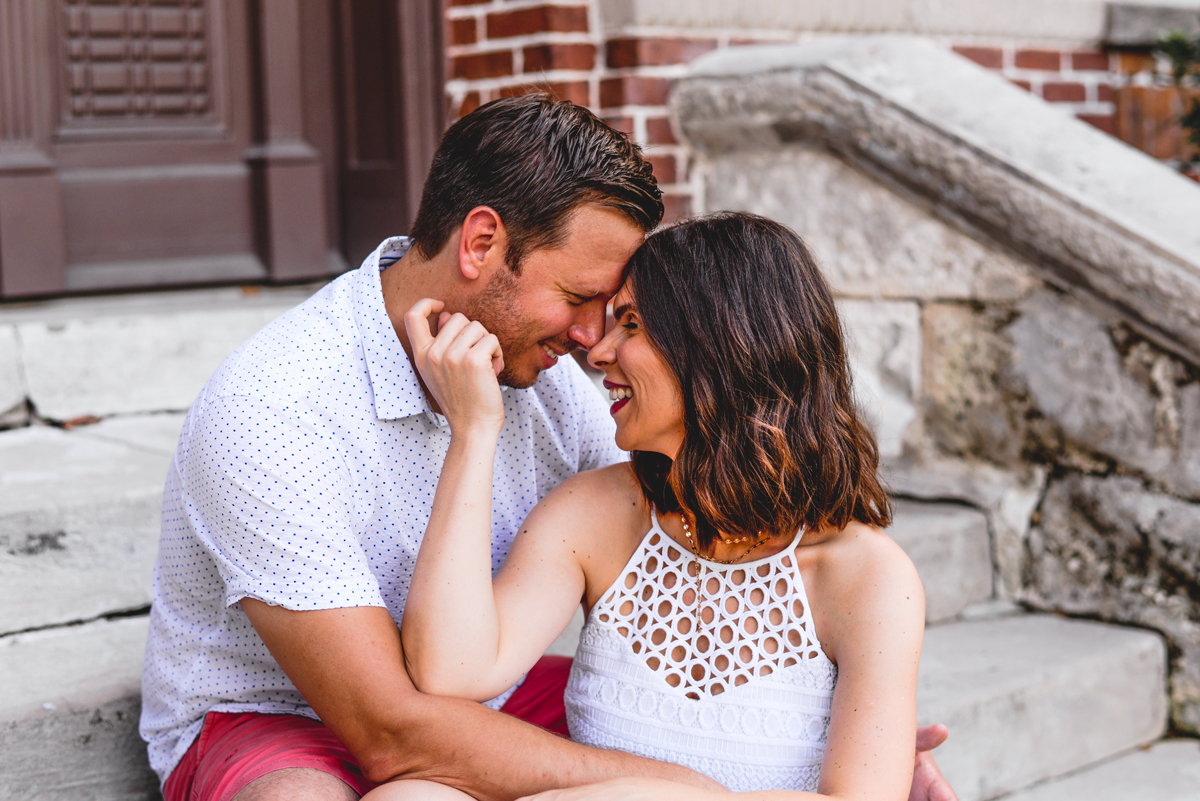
(304, 477)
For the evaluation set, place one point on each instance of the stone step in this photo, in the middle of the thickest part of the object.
(79, 513)
(70, 698)
(126, 354)
(1166, 771)
(1027, 698)
(951, 549)
(1031, 697)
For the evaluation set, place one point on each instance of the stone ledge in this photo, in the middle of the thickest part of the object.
(1032, 697)
(69, 705)
(1139, 25)
(1167, 771)
(79, 523)
(1096, 217)
(125, 354)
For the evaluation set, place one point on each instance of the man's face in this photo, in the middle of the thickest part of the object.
(558, 301)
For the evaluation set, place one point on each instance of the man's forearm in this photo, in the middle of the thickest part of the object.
(496, 757)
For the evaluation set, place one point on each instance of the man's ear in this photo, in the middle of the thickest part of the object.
(482, 243)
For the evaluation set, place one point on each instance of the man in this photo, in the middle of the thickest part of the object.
(301, 487)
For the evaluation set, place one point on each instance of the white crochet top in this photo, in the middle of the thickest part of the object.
(716, 667)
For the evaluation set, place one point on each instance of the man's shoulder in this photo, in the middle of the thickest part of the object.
(310, 344)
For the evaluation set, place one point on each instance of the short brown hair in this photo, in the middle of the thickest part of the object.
(534, 160)
(740, 311)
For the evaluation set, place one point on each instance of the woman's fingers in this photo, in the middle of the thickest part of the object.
(416, 322)
(458, 365)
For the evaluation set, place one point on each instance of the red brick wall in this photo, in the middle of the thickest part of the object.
(1084, 81)
(502, 47)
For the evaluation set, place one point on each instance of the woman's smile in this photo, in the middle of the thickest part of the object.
(619, 394)
(646, 401)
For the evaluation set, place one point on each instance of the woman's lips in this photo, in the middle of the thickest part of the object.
(619, 394)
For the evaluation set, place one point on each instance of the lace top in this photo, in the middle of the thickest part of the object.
(715, 667)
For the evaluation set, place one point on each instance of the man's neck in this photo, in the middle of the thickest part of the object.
(411, 279)
(404, 283)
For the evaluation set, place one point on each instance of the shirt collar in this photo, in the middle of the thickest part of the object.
(393, 378)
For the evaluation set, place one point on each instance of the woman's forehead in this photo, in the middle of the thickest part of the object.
(624, 296)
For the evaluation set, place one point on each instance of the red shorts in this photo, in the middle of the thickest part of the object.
(234, 749)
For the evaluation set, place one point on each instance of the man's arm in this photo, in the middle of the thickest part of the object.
(348, 665)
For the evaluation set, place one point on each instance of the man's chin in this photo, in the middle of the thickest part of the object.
(518, 379)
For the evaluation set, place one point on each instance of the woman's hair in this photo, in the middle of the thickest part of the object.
(740, 311)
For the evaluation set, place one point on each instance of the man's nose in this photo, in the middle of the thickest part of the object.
(589, 329)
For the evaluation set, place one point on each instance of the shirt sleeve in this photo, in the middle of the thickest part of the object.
(270, 496)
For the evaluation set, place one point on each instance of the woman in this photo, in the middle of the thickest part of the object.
(746, 615)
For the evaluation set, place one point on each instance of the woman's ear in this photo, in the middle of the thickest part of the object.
(482, 243)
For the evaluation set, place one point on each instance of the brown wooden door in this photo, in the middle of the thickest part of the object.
(165, 142)
(391, 110)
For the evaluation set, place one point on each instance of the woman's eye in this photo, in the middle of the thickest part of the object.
(630, 326)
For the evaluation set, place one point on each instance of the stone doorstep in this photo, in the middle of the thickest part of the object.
(79, 512)
(1166, 771)
(1031, 697)
(950, 547)
(69, 704)
(127, 354)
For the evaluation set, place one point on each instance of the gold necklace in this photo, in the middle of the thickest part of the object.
(687, 532)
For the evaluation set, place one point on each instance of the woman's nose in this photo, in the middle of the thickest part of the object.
(603, 353)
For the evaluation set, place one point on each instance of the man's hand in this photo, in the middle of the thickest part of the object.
(928, 782)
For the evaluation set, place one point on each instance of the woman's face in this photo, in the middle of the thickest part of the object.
(647, 404)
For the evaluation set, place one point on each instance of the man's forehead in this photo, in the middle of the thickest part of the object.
(589, 280)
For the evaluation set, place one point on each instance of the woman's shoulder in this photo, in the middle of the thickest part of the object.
(864, 578)
(607, 497)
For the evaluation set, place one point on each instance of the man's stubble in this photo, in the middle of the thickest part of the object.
(497, 307)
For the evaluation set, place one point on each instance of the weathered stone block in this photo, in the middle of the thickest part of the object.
(69, 705)
(1035, 696)
(871, 241)
(1138, 408)
(79, 522)
(1109, 547)
(967, 411)
(884, 344)
(1006, 496)
(128, 364)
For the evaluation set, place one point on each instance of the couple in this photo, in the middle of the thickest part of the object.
(308, 472)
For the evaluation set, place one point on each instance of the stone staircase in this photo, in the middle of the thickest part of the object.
(1035, 701)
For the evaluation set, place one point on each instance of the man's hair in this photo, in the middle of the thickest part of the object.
(534, 160)
(740, 311)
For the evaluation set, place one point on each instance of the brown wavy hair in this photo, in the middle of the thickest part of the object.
(740, 311)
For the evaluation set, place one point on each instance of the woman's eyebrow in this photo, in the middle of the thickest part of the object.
(622, 310)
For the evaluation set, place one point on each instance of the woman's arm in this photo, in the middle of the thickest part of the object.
(871, 617)
(460, 637)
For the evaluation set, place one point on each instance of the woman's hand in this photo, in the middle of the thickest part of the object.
(458, 366)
